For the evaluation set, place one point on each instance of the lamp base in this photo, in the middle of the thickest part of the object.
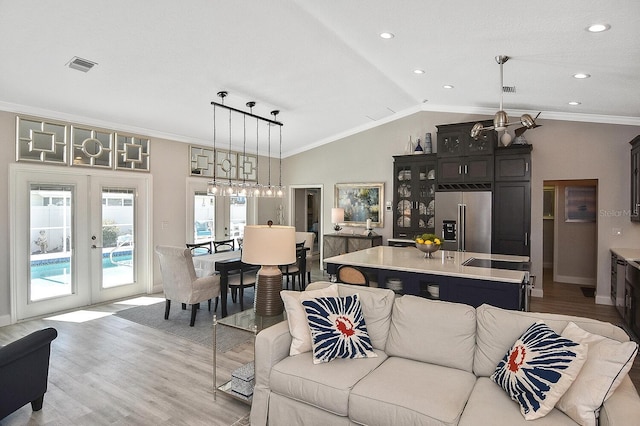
(267, 301)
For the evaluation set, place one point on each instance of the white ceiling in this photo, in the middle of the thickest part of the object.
(321, 63)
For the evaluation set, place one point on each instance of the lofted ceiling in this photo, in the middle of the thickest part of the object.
(323, 64)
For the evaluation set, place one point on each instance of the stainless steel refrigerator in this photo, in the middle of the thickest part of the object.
(463, 220)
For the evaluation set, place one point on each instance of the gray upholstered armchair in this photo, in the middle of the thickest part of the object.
(24, 371)
(180, 282)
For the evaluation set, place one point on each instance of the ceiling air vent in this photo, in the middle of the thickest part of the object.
(508, 89)
(80, 64)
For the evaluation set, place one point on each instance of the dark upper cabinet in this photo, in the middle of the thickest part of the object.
(512, 201)
(635, 179)
(463, 159)
(414, 185)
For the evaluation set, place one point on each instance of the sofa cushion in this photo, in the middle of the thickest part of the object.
(407, 392)
(432, 331)
(325, 385)
(539, 368)
(376, 306)
(297, 318)
(338, 328)
(499, 328)
(490, 405)
(608, 361)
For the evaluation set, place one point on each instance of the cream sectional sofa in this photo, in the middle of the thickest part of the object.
(433, 366)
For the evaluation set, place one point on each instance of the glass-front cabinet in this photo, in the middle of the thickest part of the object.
(414, 188)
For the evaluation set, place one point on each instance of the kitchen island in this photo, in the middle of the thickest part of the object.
(446, 276)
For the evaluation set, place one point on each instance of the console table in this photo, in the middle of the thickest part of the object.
(339, 243)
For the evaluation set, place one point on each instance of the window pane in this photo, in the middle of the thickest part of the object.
(203, 217)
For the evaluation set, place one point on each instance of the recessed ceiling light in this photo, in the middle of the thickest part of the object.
(448, 86)
(417, 71)
(574, 103)
(387, 35)
(581, 75)
(598, 28)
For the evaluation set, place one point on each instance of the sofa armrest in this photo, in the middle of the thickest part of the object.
(272, 346)
(24, 371)
(623, 405)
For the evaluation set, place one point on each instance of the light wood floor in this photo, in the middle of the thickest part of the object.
(110, 371)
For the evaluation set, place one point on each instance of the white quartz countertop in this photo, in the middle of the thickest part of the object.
(627, 253)
(410, 259)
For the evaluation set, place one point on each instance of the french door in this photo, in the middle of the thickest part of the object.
(77, 239)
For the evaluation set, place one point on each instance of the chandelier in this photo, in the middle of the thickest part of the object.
(241, 187)
(501, 119)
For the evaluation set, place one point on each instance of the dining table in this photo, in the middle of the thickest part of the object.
(223, 263)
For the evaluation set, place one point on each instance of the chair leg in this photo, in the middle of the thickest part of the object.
(241, 294)
(167, 307)
(209, 305)
(184, 306)
(194, 311)
(234, 295)
(215, 308)
(36, 404)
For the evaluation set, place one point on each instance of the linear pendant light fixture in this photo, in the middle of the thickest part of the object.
(244, 188)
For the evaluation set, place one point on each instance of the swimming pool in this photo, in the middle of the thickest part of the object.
(61, 265)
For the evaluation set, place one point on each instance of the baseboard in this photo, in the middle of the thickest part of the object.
(5, 320)
(537, 292)
(575, 280)
(604, 300)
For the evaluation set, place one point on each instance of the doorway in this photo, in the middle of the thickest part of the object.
(570, 235)
(77, 239)
(306, 212)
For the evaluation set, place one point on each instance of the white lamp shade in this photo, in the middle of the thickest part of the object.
(337, 215)
(269, 245)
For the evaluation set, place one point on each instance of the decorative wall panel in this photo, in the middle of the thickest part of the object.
(41, 141)
(132, 153)
(91, 148)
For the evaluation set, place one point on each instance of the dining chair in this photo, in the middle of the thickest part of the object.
(239, 281)
(308, 238)
(180, 283)
(294, 270)
(198, 249)
(224, 245)
(351, 275)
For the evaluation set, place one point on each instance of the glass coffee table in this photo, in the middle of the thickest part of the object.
(248, 321)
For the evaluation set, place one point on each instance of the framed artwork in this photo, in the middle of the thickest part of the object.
(580, 204)
(360, 201)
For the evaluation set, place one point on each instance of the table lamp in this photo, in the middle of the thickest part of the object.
(269, 246)
(337, 216)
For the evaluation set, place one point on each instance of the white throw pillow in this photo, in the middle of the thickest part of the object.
(297, 317)
(608, 361)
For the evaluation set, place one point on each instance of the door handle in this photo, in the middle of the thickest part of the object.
(93, 246)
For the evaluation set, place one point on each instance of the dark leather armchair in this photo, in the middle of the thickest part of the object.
(24, 371)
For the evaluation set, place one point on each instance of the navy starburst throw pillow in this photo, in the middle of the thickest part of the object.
(538, 369)
(337, 328)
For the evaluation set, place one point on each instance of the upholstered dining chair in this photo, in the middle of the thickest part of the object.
(198, 249)
(180, 283)
(294, 270)
(224, 245)
(351, 275)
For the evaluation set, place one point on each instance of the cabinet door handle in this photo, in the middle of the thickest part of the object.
(526, 166)
(466, 169)
(526, 238)
(460, 169)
